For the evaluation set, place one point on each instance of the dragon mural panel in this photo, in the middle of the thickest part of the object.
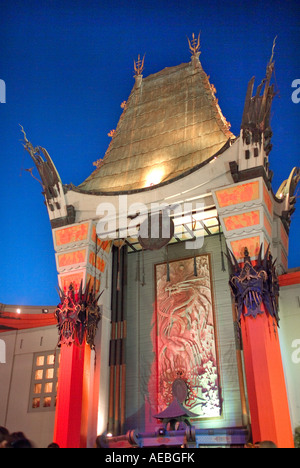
(186, 335)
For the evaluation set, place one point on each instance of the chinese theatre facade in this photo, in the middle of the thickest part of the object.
(168, 320)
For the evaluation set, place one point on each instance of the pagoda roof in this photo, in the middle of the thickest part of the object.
(171, 123)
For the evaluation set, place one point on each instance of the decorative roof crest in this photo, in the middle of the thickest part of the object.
(273, 49)
(139, 66)
(194, 45)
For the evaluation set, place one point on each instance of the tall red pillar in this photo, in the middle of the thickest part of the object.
(81, 259)
(70, 418)
(253, 227)
(267, 396)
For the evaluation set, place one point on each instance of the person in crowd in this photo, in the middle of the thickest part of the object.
(4, 434)
(14, 440)
(267, 444)
(53, 445)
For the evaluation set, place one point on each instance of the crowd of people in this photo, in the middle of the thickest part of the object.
(17, 440)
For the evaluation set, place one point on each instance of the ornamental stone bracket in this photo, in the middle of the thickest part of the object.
(80, 256)
(250, 217)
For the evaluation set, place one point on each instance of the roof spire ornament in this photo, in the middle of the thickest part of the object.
(273, 49)
(139, 68)
(195, 45)
(139, 65)
(256, 120)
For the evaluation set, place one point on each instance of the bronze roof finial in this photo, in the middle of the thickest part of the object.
(194, 45)
(139, 65)
(273, 49)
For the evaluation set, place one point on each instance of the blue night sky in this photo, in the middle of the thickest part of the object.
(68, 65)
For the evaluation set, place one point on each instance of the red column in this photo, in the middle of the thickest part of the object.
(87, 395)
(70, 423)
(269, 409)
